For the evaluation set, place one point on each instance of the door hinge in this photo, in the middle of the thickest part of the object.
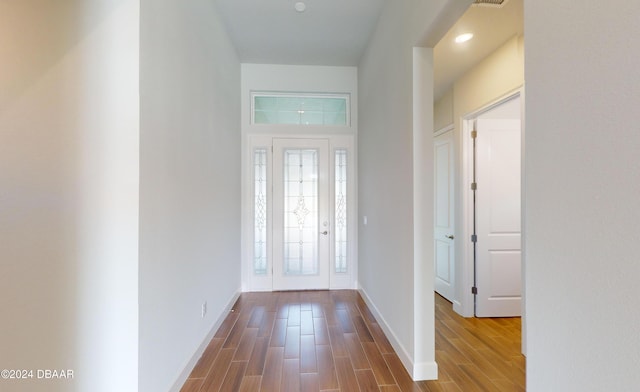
(474, 290)
(474, 186)
(474, 134)
(474, 238)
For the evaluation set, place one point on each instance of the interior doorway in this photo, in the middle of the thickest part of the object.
(444, 214)
(493, 208)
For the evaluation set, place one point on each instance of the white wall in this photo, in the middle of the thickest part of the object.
(69, 192)
(443, 111)
(387, 140)
(582, 187)
(189, 184)
(498, 74)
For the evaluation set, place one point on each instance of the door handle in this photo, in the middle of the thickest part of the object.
(450, 236)
(324, 232)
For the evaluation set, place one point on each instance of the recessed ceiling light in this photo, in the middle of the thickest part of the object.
(464, 37)
(300, 6)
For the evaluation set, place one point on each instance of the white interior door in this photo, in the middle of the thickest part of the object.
(498, 217)
(300, 214)
(444, 216)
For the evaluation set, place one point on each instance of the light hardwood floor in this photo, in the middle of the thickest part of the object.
(330, 341)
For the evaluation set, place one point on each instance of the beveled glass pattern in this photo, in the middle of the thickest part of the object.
(300, 212)
(260, 259)
(300, 110)
(341, 253)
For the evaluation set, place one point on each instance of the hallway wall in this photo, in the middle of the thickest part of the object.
(582, 190)
(499, 73)
(69, 193)
(396, 269)
(189, 184)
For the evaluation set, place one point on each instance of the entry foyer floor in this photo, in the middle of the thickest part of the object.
(330, 341)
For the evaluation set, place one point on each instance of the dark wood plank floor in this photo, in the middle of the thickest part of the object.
(330, 341)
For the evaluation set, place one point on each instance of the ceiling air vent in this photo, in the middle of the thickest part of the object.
(490, 3)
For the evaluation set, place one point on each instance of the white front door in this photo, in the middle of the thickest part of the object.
(498, 218)
(444, 215)
(301, 222)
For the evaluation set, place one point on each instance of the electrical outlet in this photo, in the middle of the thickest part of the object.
(204, 309)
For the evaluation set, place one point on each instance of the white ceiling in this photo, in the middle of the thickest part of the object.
(336, 32)
(329, 32)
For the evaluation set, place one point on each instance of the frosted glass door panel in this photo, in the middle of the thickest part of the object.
(300, 214)
(300, 211)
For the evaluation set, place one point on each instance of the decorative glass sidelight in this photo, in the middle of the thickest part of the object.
(301, 212)
(340, 219)
(260, 212)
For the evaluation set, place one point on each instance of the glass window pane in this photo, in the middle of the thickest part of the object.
(265, 117)
(288, 103)
(335, 105)
(311, 118)
(265, 103)
(300, 110)
(312, 104)
(301, 212)
(260, 212)
(340, 219)
(335, 118)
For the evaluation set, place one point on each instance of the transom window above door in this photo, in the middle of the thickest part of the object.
(300, 109)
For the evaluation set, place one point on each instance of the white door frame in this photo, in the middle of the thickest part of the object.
(465, 259)
(252, 282)
(443, 130)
